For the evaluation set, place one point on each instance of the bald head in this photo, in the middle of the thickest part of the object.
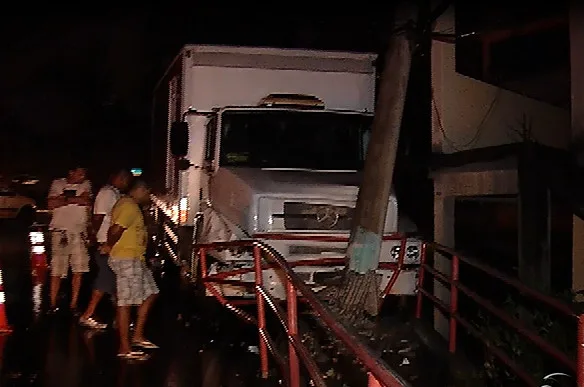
(140, 191)
(121, 179)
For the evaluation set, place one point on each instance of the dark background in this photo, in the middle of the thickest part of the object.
(535, 64)
(77, 83)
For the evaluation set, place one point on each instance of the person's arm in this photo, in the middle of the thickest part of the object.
(114, 234)
(104, 203)
(56, 197)
(82, 200)
(122, 218)
(85, 198)
(96, 221)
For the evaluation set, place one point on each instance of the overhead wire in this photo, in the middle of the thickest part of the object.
(479, 130)
(481, 126)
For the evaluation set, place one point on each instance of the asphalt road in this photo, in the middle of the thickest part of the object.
(55, 351)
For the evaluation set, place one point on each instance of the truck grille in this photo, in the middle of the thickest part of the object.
(305, 216)
(316, 250)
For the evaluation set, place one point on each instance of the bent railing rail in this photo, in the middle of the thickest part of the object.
(451, 311)
(297, 351)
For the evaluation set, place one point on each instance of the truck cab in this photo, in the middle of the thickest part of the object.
(269, 144)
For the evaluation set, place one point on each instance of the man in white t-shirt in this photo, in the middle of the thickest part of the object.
(69, 200)
(105, 281)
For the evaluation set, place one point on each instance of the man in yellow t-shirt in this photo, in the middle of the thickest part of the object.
(126, 246)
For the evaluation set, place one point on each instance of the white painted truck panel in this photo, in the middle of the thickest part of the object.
(220, 76)
(225, 86)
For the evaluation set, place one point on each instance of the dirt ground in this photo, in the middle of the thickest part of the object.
(397, 339)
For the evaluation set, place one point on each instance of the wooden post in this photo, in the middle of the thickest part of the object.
(361, 287)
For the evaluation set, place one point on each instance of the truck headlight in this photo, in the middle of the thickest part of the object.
(394, 252)
(412, 253)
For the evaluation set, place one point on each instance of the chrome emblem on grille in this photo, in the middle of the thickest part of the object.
(327, 216)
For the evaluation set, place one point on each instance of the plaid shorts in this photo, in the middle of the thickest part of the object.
(134, 281)
(68, 249)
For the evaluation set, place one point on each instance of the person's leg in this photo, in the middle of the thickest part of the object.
(114, 300)
(123, 322)
(125, 280)
(143, 311)
(149, 294)
(79, 265)
(59, 265)
(96, 296)
(75, 287)
(104, 284)
(55, 286)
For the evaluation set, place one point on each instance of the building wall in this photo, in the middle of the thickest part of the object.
(468, 113)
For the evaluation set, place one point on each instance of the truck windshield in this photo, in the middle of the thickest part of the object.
(294, 139)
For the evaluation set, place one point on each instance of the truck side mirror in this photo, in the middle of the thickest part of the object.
(179, 139)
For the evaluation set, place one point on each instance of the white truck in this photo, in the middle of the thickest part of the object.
(268, 143)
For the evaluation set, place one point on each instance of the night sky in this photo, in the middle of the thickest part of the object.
(76, 83)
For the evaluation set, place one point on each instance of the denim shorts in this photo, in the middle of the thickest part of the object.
(105, 281)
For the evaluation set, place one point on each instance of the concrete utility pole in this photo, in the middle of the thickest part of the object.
(360, 290)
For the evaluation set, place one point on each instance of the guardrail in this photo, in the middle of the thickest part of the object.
(297, 351)
(397, 267)
(451, 311)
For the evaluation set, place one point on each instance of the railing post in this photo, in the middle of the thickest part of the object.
(293, 331)
(257, 258)
(420, 281)
(580, 352)
(372, 382)
(453, 304)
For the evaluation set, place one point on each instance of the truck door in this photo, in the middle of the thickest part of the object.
(211, 142)
(174, 115)
(192, 181)
(211, 161)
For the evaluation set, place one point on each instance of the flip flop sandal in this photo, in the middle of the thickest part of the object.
(87, 322)
(134, 355)
(145, 344)
(93, 324)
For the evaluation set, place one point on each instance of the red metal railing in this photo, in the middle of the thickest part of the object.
(396, 267)
(297, 351)
(451, 310)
